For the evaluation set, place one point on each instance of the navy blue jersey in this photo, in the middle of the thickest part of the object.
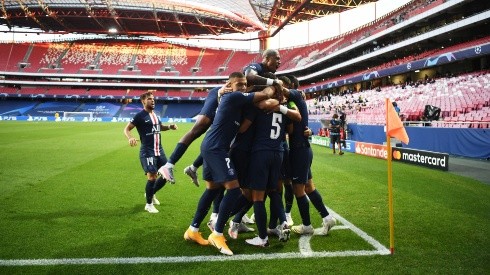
(269, 131)
(148, 126)
(258, 67)
(243, 141)
(297, 137)
(210, 104)
(261, 70)
(334, 131)
(227, 121)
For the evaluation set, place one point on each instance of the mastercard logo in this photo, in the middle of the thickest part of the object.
(397, 154)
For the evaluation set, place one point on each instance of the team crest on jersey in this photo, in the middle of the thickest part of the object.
(231, 172)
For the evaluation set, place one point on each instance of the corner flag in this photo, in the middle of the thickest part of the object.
(394, 126)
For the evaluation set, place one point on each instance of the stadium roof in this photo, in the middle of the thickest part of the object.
(163, 18)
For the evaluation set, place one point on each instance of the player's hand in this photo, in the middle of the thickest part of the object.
(133, 142)
(173, 127)
(278, 82)
(225, 89)
(307, 132)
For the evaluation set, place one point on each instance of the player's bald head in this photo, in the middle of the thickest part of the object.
(270, 53)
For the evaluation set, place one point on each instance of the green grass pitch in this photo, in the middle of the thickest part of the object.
(75, 191)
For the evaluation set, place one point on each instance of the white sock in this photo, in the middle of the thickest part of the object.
(193, 229)
(217, 233)
(214, 216)
(169, 165)
(193, 168)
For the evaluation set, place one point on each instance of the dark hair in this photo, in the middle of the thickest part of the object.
(394, 104)
(236, 75)
(294, 81)
(285, 80)
(145, 95)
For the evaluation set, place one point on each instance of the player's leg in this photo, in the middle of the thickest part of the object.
(278, 208)
(299, 174)
(340, 147)
(202, 209)
(214, 214)
(288, 200)
(160, 181)
(328, 221)
(259, 174)
(242, 206)
(223, 172)
(241, 160)
(287, 186)
(150, 165)
(199, 128)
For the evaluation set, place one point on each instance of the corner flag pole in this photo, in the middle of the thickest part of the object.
(390, 181)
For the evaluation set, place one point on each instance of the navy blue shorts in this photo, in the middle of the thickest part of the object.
(301, 159)
(151, 164)
(218, 167)
(286, 166)
(334, 138)
(264, 170)
(241, 160)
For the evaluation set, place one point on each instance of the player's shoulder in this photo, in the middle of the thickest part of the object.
(254, 66)
(139, 115)
(213, 92)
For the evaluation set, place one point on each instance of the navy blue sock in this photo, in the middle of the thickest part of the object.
(238, 216)
(317, 201)
(217, 201)
(204, 205)
(150, 186)
(304, 209)
(159, 184)
(288, 197)
(272, 215)
(240, 203)
(260, 218)
(276, 204)
(178, 152)
(198, 161)
(226, 205)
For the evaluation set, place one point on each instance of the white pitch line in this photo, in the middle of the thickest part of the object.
(304, 241)
(304, 247)
(184, 259)
(377, 245)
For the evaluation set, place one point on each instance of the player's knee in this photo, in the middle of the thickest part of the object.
(309, 188)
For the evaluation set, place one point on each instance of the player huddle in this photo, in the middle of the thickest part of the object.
(245, 156)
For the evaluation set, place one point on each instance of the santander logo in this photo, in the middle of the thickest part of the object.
(372, 150)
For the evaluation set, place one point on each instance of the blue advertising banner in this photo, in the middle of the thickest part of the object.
(86, 119)
(350, 145)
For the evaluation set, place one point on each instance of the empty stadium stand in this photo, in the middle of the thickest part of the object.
(464, 101)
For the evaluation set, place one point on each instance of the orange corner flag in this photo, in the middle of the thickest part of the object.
(394, 126)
